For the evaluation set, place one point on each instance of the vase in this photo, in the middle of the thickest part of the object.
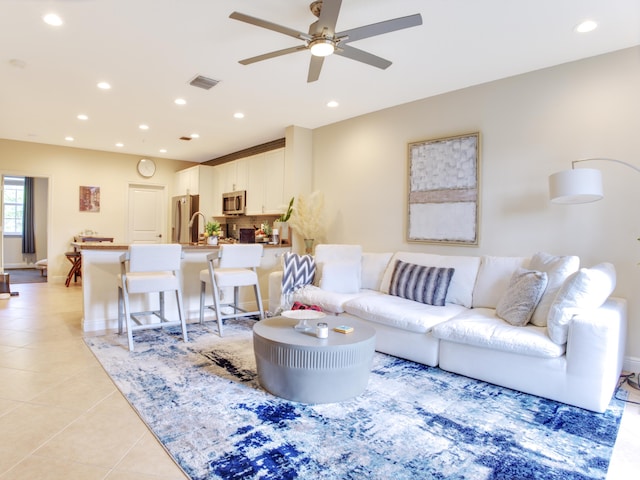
(308, 245)
(283, 230)
(212, 240)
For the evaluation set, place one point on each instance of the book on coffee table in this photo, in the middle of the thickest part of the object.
(343, 329)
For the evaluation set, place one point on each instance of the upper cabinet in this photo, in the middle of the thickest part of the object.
(198, 180)
(261, 175)
(265, 183)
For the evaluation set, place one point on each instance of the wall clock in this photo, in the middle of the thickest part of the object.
(146, 167)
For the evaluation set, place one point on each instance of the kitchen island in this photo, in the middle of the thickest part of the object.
(101, 266)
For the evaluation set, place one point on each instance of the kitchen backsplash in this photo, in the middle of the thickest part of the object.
(231, 225)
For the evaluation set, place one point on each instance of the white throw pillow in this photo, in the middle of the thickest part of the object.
(329, 252)
(340, 277)
(523, 294)
(557, 270)
(586, 289)
(493, 279)
(373, 267)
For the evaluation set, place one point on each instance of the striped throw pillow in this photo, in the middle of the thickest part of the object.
(421, 284)
(298, 271)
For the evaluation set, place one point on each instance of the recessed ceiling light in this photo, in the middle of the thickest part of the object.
(180, 101)
(195, 135)
(163, 150)
(332, 104)
(238, 115)
(119, 145)
(69, 139)
(586, 26)
(142, 126)
(104, 86)
(52, 19)
(82, 116)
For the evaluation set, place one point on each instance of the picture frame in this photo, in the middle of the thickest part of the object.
(89, 199)
(444, 190)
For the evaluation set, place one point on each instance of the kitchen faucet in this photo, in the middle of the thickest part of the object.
(204, 219)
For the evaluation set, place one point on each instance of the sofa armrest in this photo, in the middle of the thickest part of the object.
(596, 343)
(275, 291)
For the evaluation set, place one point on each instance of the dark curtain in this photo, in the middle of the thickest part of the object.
(28, 229)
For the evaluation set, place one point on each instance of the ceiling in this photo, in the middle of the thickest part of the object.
(149, 51)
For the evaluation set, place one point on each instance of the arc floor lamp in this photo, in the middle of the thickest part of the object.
(583, 185)
(580, 185)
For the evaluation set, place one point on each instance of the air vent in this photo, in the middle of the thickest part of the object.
(185, 138)
(204, 82)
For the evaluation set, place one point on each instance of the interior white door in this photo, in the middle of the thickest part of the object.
(147, 214)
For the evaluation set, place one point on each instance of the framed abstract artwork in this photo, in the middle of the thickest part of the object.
(89, 199)
(443, 204)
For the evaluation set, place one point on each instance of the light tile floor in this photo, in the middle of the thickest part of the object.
(61, 417)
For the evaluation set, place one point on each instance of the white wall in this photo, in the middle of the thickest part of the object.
(69, 168)
(531, 126)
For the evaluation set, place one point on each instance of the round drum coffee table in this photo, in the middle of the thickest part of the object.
(299, 366)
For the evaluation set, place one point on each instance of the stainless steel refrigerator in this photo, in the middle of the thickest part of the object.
(182, 209)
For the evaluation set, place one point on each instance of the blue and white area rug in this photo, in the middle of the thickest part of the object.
(203, 402)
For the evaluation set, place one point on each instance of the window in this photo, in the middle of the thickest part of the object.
(13, 205)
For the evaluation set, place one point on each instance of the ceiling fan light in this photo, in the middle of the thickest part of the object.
(322, 47)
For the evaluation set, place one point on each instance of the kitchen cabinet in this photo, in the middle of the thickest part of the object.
(198, 180)
(232, 176)
(265, 183)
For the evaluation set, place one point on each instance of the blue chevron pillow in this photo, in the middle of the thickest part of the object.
(299, 271)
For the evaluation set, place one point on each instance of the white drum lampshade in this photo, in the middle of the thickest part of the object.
(579, 185)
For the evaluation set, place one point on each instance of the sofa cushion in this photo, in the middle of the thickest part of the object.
(586, 289)
(493, 278)
(341, 277)
(373, 267)
(480, 327)
(298, 271)
(330, 302)
(557, 270)
(400, 313)
(421, 284)
(328, 253)
(463, 280)
(522, 296)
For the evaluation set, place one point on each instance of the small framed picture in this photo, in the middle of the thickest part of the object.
(89, 199)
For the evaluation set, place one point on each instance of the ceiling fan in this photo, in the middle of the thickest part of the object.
(323, 40)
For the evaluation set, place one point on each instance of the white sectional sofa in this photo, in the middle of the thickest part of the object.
(575, 359)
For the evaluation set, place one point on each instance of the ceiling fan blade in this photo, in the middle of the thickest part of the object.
(362, 56)
(314, 68)
(269, 25)
(328, 18)
(381, 27)
(277, 53)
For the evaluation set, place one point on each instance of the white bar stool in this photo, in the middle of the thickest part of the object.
(232, 266)
(151, 268)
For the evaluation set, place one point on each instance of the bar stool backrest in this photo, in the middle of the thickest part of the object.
(154, 257)
(240, 256)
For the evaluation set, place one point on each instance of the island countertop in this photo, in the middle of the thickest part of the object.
(125, 246)
(101, 267)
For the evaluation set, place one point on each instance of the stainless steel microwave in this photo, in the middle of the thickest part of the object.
(234, 203)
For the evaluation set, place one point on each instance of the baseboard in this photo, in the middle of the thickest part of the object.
(631, 364)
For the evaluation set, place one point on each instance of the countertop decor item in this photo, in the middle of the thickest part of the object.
(303, 316)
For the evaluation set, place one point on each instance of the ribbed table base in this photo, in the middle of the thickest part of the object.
(322, 373)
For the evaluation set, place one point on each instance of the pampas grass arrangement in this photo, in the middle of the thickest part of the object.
(308, 216)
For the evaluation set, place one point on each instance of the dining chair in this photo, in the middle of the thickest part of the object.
(232, 266)
(146, 269)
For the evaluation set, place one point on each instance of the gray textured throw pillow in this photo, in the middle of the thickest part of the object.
(421, 284)
(522, 296)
